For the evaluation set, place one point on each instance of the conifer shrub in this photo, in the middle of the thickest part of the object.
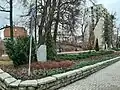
(18, 50)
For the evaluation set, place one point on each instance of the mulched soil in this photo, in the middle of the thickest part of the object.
(38, 69)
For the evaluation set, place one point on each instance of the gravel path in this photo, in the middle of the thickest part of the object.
(105, 79)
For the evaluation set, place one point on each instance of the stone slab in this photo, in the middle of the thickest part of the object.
(4, 76)
(15, 84)
(29, 83)
(60, 76)
(9, 80)
(1, 71)
(42, 53)
(46, 80)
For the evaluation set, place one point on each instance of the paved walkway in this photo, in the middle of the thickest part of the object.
(105, 79)
(74, 52)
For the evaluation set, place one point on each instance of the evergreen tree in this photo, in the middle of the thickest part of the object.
(108, 30)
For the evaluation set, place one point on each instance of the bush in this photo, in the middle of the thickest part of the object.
(105, 52)
(83, 55)
(18, 50)
(116, 49)
(52, 64)
(97, 45)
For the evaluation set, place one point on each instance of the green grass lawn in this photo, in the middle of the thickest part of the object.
(5, 62)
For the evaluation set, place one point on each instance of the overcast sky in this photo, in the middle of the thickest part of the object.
(17, 11)
(111, 5)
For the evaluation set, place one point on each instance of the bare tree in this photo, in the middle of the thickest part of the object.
(53, 13)
(84, 15)
(11, 15)
(108, 30)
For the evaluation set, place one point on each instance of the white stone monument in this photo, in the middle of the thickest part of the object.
(42, 53)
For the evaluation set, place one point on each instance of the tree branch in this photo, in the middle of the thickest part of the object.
(4, 10)
(4, 27)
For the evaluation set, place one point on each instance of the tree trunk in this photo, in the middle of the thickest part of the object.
(36, 24)
(51, 51)
(11, 19)
(57, 22)
(41, 26)
(92, 36)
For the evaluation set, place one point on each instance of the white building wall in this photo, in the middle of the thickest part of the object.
(2, 34)
(98, 32)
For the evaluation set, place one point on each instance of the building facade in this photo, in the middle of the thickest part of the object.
(96, 18)
(17, 32)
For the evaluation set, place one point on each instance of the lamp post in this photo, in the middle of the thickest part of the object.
(30, 49)
(32, 18)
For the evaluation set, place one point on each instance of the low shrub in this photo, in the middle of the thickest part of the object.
(116, 49)
(83, 55)
(51, 65)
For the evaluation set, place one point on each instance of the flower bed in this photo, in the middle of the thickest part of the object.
(40, 70)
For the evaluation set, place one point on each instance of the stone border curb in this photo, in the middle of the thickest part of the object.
(7, 82)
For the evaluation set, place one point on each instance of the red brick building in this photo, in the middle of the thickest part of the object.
(17, 32)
